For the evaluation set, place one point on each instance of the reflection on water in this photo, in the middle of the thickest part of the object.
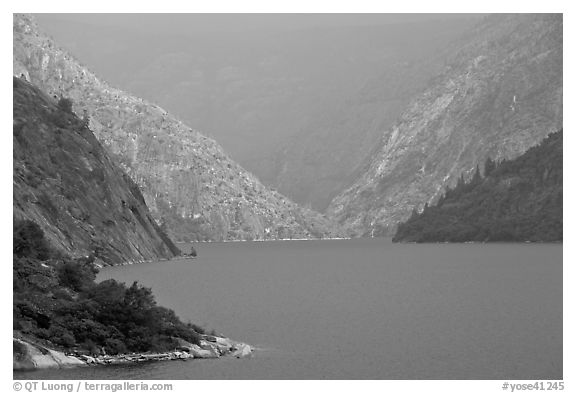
(363, 308)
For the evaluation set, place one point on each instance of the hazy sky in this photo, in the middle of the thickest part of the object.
(193, 23)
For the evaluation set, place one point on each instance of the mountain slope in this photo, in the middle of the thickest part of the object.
(324, 157)
(64, 181)
(192, 187)
(321, 160)
(517, 200)
(255, 91)
(500, 94)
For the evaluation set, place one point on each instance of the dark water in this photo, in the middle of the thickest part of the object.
(365, 308)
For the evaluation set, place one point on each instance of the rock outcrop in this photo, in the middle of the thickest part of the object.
(28, 356)
(33, 356)
(64, 181)
(194, 190)
(500, 94)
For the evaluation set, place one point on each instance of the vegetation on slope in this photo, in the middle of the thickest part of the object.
(516, 200)
(57, 302)
(73, 210)
(64, 181)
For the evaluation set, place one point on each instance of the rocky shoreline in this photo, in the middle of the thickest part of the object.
(30, 356)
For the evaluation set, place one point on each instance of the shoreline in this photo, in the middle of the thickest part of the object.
(149, 261)
(33, 356)
(137, 262)
(482, 242)
(264, 240)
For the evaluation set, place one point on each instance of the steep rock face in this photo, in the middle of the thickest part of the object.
(324, 157)
(192, 187)
(65, 182)
(257, 91)
(500, 94)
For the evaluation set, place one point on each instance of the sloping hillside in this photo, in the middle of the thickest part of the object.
(518, 200)
(64, 181)
(273, 98)
(194, 190)
(500, 94)
(323, 159)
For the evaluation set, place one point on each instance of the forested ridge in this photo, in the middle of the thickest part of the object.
(513, 200)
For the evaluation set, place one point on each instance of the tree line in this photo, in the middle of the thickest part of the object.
(515, 200)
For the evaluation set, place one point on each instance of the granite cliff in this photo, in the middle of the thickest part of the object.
(499, 94)
(281, 102)
(324, 157)
(64, 181)
(193, 189)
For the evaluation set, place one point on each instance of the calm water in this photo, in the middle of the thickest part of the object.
(365, 308)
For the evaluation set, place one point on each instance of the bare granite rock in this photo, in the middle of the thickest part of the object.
(194, 190)
(30, 356)
(499, 94)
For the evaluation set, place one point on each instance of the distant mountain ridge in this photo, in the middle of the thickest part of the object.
(194, 190)
(64, 181)
(517, 200)
(500, 94)
(324, 157)
(283, 104)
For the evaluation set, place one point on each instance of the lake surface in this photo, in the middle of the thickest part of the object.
(360, 309)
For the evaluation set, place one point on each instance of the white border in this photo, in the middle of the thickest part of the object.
(247, 6)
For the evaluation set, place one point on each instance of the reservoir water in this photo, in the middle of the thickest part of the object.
(362, 308)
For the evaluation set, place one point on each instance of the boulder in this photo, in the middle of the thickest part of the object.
(222, 345)
(202, 353)
(242, 351)
(210, 346)
(88, 359)
(183, 355)
(223, 341)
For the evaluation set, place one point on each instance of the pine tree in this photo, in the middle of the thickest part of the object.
(489, 167)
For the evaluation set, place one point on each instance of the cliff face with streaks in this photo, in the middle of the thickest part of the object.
(194, 190)
(283, 103)
(500, 94)
(65, 182)
(324, 157)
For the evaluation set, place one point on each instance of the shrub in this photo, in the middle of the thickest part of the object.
(113, 346)
(76, 275)
(60, 302)
(61, 336)
(29, 241)
(65, 104)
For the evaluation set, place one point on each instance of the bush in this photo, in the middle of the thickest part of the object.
(76, 275)
(29, 241)
(113, 346)
(65, 104)
(61, 336)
